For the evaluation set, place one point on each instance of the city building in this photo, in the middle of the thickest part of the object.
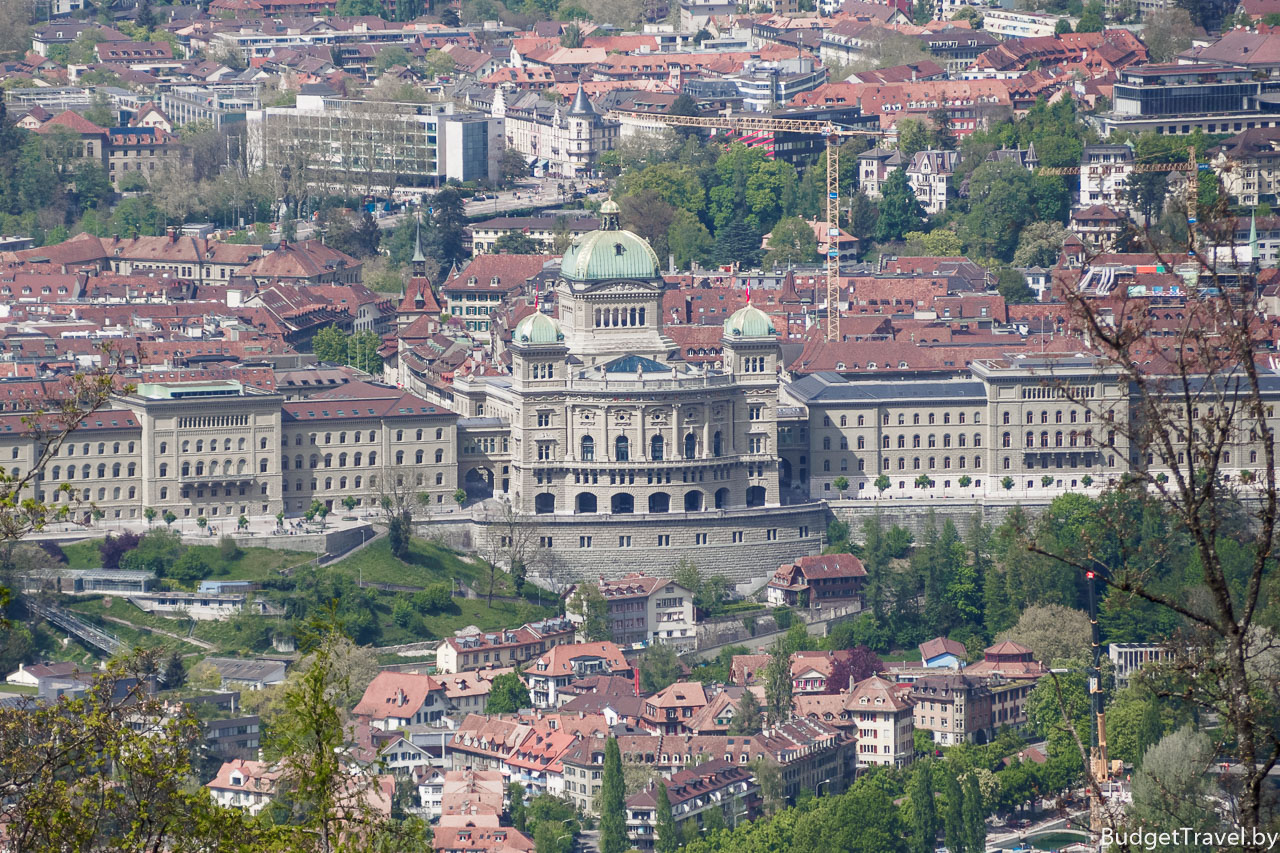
(219, 104)
(394, 700)
(562, 664)
(476, 650)
(486, 284)
(245, 784)
(714, 784)
(1127, 659)
(1009, 23)
(644, 610)
(560, 140)
(547, 229)
(672, 709)
(817, 581)
(1248, 164)
(618, 445)
(943, 653)
(883, 717)
(1104, 176)
(378, 146)
(1179, 99)
(955, 708)
(764, 86)
(929, 174)
(875, 167)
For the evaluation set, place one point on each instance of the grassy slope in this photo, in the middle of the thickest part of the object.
(427, 563)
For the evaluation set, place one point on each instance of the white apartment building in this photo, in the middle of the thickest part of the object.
(1104, 175)
(645, 609)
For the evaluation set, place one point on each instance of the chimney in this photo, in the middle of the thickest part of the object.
(173, 233)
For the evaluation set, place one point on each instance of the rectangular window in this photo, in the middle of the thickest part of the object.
(737, 536)
(584, 541)
(699, 539)
(771, 535)
(664, 540)
(624, 541)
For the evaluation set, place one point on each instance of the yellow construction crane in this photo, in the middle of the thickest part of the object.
(833, 134)
(1189, 166)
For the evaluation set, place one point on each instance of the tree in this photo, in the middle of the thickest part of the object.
(113, 547)
(174, 673)
(1012, 285)
(863, 217)
(589, 603)
(882, 483)
(109, 770)
(1170, 790)
(389, 57)
(149, 514)
(953, 817)
(1092, 20)
(747, 717)
(613, 792)
(667, 838)
(516, 243)
(975, 814)
(913, 136)
(571, 36)
(512, 165)
(169, 517)
(330, 344)
(1052, 632)
(449, 17)
(777, 686)
(841, 483)
(900, 211)
(649, 215)
(659, 667)
(1062, 27)
(689, 241)
(358, 8)
(190, 567)
(924, 813)
(792, 241)
(1040, 244)
(1000, 205)
(449, 220)
(737, 243)
(321, 796)
(1167, 32)
(507, 695)
(944, 137)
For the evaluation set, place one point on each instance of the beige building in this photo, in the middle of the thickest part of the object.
(955, 708)
(475, 650)
(644, 609)
(886, 735)
(1023, 419)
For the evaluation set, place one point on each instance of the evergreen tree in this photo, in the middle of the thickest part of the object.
(613, 795)
(144, 17)
(747, 717)
(667, 836)
(924, 812)
(449, 219)
(944, 138)
(737, 242)
(1150, 729)
(953, 818)
(975, 815)
(175, 673)
(777, 685)
(900, 211)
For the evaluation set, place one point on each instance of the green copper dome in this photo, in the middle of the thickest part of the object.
(749, 322)
(610, 252)
(537, 328)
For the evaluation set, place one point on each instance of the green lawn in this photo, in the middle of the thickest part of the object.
(427, 563)
(252, 564)
(24, 689)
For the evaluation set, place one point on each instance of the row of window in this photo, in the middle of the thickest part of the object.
(902, 419)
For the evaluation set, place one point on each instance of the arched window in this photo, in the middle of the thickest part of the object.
(419, 435)
(862, 442)
(399, 457)
(655, 448)
(199, 446)
(861, 420)
(115, 470)
(262, 465)
(884, 442)
(328, 460)
(622, 449)
(1031, 439)
(715, 444)
(1044, 439)
(164, 447)
(588, 448)
(844, 420)
(164, 470)
(826, 442)
(439, 456)
(690, 446)
(418, 457)
(439, 434)
(356, 459)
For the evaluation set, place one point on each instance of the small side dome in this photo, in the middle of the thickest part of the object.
(749, 322)
(537, 328)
